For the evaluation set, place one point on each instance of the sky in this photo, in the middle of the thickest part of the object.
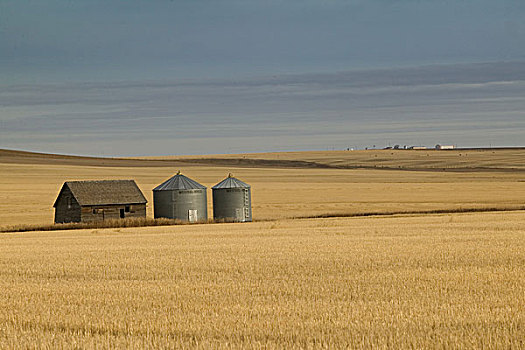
(206, 76)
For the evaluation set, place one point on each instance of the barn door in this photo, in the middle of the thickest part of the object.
(192, 215)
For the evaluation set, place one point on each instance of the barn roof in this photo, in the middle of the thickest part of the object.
(105, 192)
(179, 182)
(231, 182)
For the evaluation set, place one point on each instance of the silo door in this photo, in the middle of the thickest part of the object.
(192, 215)
(239, 214)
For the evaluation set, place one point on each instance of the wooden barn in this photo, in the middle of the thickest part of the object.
(88, 201)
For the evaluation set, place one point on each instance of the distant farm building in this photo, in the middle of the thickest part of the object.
(180, 198)
(445, 147)
(417, 147)
(232, 200)
(89, 201)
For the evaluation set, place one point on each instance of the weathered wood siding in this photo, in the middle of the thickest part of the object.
(67, 208)
(108, 212)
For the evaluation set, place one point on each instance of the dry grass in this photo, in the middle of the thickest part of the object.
(443, 281)
(422, 281)
(27, 192)
(115, 223)
(150, 222)
(449, 160)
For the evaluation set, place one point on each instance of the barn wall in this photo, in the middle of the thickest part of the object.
(67, 208)
(108, 212)
(139, 211)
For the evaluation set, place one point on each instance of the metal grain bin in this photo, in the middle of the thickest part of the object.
(232, 200)
(180, 198)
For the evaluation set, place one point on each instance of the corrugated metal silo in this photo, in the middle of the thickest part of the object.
(180, 198)
(232, 200)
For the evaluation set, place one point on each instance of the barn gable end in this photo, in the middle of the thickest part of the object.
(67, 208)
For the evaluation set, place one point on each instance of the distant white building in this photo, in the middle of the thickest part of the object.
(445, 146)
(417, 147)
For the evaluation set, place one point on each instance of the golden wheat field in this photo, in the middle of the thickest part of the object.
(406, 281)
(29, 185)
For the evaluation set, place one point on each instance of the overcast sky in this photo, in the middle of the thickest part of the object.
(70, 42)
(57, 40)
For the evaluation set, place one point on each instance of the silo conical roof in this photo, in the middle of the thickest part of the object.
(179, 182)
(231, 182)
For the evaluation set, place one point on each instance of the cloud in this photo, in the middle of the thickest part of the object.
(469, 105)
